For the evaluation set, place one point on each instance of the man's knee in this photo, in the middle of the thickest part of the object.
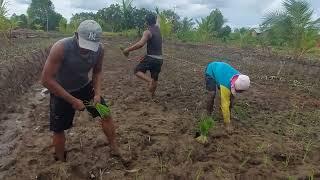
(138, 73)
(135, 71)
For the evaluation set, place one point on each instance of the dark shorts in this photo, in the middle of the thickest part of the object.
(62, 113)
(211, 84)
(150, 64)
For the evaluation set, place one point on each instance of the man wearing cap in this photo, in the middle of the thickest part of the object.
(65, 74)
(220, 75)
(153, 60)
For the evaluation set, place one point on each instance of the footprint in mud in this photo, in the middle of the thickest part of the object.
(144, 113)
(100, 142)
(33, 162)
(78, 171)
(6, 164)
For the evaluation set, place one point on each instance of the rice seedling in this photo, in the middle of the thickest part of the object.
(311, 176)
(291, 178)
(244, 162)
(307, 149)
(162, 165)
(199, 174)
(103, 110)
(189, 155)
(286, 163)
(204, 126)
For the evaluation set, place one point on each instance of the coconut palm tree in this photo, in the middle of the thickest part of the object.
(294, 25)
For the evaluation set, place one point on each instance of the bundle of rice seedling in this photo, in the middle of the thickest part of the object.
(204, 126)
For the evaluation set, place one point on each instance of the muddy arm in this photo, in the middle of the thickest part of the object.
(140, 44)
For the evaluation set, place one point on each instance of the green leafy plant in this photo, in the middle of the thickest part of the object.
(4, 22)
(166, 25)
(204, 126)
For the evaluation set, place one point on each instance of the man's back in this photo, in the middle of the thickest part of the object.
(154, 44)
(222, 73)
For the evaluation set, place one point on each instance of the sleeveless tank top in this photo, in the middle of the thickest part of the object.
(73, 73)
(154, 44)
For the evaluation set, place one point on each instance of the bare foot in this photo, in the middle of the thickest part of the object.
(64, 159)
(114, 151)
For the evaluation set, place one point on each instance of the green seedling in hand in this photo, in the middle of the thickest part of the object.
(103, 110)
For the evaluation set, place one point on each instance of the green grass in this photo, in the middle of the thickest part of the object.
(241, 111)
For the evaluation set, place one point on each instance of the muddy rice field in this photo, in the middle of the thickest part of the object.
(276, 123)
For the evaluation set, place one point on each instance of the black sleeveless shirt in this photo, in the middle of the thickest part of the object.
(154, 44)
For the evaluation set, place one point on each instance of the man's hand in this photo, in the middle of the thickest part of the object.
(77, 104)
(141, 58)
(96, 99)
(126, 52)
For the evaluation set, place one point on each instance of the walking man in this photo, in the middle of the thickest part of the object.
(153, 60)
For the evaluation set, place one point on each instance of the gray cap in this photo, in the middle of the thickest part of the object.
(90, 33)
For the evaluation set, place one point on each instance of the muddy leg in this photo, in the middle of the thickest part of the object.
(152, 84)
(109, 130)
(153, 87)
(59, 145)
(210, 102)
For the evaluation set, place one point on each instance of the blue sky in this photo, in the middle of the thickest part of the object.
(239, 13)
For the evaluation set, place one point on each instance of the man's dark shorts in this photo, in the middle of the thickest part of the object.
(210, 83)
(62, 113)
(150, 64)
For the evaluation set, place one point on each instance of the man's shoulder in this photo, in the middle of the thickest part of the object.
(147, 32)
(65, 40)
(67, 43)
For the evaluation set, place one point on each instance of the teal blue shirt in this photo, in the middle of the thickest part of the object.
(222, 73)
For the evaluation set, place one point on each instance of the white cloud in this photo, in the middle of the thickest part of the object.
(315, 15)
(23, 1)
(275, 5)
(89, 4)
(17, 7)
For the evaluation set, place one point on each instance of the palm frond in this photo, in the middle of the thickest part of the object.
(299, 11)
(3, 8)
(274, 17)
(314, 24)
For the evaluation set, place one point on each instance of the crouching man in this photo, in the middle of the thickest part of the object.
(222, 76)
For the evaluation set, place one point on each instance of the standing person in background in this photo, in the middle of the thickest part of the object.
(65, 74)
(153, 60)
(229, 81)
